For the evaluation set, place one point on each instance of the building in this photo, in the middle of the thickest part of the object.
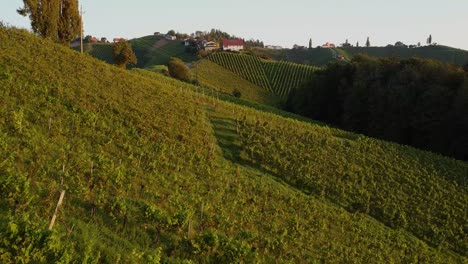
(210, 45)
(119, 40)
(273, 47)
(170, 37)
(328, 45)
(75, 43)
(297, 47)
(233, 44)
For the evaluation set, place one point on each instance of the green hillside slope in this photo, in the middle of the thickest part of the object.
(277, 77)
(156, 172)
(149, 50)
(210, 74)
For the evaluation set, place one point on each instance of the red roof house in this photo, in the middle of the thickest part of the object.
(233, 44)
(328, 45)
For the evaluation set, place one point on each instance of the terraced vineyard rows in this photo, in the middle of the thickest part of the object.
(277, 77)
(407, 189)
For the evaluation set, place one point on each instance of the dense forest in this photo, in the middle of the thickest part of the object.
(418, 102)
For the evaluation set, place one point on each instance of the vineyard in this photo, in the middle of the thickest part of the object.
(277, 77)
(401, 187)
(154, 170)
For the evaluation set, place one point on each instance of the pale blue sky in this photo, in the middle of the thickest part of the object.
(277, 22)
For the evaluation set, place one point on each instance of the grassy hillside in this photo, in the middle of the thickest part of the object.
(210, 74)
(320, 57)
(100, 51)
(150, 51)
(277, 77)
(154, 171)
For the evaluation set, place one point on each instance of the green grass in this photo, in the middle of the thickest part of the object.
(155, 169)
(278, 78)
(100, 51)
(173, 48)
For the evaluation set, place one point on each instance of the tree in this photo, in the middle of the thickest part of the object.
(346, 44)
(310, 43)
(69, 22)
(178, 69)
(357, 44)
(429, 40)
(368, 42)
(123, 54)
(171, 32)
(44, 16)
(465, 67)
(58, 20)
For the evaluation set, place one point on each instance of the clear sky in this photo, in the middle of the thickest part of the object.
(277, 22)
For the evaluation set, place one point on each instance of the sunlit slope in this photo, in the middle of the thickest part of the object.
(154, 171)
(277, 77)
(210, 74)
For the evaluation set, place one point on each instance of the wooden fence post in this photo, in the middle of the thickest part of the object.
(52, 221)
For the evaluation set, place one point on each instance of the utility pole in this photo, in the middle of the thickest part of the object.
(81, 28)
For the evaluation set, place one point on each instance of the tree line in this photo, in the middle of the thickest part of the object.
(417, 102)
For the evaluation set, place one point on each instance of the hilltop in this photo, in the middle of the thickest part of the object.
(156, 170)
(322, 56)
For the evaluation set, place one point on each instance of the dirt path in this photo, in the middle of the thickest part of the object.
(160, 43)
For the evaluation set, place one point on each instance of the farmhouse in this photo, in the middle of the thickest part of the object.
(328, 45)
(233, 44)
(273, 47)
(119, 40)
(209, 46)
(170, 37)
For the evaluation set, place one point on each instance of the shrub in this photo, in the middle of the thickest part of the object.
(178, 70)
(236, 93)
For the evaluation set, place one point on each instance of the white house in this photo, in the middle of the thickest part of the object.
(210, 45)
(233, 44)
(273, 47)
(169, 37)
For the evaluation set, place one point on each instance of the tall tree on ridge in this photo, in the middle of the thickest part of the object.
(44, 16)
(58, 20)
(69, 22)
(310, 43)
(368, 42)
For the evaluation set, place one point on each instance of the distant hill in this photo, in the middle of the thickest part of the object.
(321, 56)
(149, 50)
(159, 171)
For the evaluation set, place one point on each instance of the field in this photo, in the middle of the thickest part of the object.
(277, 77)
(210, 74)
(156, 170)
